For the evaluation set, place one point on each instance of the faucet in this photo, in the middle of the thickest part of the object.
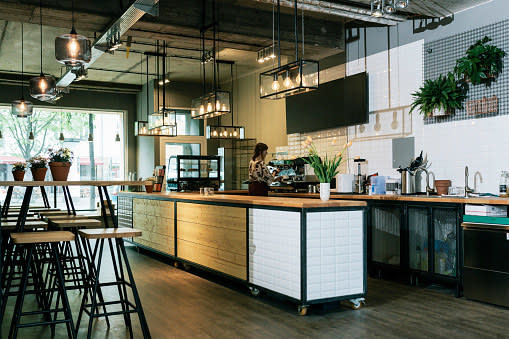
(477, 174)
(428, 188)
(468, 190)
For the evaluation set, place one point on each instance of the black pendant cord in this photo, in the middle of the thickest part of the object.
(164, 78)
(73, 29)
(231, 96)
(40, 22)
(214, 47)
(202, 34)
(157, 76)
(278, 34)
(22, 65)
(296, 32)
(148, 106)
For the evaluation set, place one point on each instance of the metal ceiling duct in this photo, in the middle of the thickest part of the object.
(326, 7)
(117, 29)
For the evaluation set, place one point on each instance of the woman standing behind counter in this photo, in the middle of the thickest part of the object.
(260, 177)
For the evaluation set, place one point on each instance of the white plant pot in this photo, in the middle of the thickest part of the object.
(439, 112)
(324, 191)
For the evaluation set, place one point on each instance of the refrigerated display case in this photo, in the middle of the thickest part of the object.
(194, 172)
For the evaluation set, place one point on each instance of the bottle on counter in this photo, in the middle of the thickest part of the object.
(503, 184)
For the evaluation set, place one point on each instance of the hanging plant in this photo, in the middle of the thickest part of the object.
(482, 63)
(440, 96)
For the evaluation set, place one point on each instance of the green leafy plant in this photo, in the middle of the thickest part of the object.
(38, 162)
(19, 166)
(63, 154)
(327, 168)
(444, 93)
(482, 63)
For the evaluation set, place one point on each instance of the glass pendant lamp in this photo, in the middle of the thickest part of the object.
(43, 87)
(72, 49)
(22, 108)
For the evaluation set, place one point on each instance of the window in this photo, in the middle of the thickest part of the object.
(187, 125)
(100, 159)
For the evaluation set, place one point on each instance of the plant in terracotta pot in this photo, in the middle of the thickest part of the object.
(482, 63)
(440, 96)
(18, 170)
(38, 167)
(325, 168)
(60, 163)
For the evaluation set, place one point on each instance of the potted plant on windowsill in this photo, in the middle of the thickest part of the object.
(325, 168)
(38, 167)
(60, 163)
(439, 97)
(18, 170)
(482, 63)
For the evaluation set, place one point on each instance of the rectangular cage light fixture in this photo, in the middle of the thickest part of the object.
(211, 105)
(267, 53)
(163, 118)
(294, 78)
(141, 128)
(225, 132)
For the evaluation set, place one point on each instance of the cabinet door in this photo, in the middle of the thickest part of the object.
(418, 238)
(445, 225)
(385, 234)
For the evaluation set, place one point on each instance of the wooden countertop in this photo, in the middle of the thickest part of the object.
(73, 183)
(251, 200)
(410, 198)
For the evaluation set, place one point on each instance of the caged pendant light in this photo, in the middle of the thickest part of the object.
(43, 87)
(141, 126)
(296, 77)
(216, 102)
(72, 49)
(22, 108)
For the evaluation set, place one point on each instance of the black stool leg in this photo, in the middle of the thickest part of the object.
(61, 286)
(13, 332)
(94, 294)
(141, 314)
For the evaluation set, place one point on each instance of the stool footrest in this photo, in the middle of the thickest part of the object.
(55, 322)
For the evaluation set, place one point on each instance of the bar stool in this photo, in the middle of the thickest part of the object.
(112, 235)
(27, 241)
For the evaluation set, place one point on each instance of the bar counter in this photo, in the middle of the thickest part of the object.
(305, 250)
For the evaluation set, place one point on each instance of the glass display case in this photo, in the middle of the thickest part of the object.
(418, 238)
(445, 233)
(195, 171)
(386, 234)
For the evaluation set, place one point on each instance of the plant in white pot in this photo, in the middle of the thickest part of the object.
(325, 168)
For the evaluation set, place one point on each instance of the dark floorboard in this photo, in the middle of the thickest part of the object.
(182, 305)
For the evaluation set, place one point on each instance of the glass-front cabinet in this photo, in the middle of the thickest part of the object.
(418, 238)
(445, 234)
(386, 235)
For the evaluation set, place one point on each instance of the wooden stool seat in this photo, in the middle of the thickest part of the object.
(16, 214)
(41, 237)
(43, 209)
(16, 219)
(108, 233)
(52, 213)
(70, 217)
(73, 222)
(11, 225)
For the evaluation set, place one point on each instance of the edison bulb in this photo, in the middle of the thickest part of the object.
(218, 105)
(288, 82)
(202, 109)
(73, 47)
(43, 85)
(275, 85)
(234, 133)
(214, 133)
(209, 107)
(224, 108)
(22, 105)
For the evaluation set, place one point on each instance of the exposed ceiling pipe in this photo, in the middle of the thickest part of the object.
(348, 11)
(134, 13)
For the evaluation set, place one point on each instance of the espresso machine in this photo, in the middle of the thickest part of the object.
(360, 177)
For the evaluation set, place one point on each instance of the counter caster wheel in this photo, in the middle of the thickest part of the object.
(187, 267)
(356, 304)
(254, 291)
(176, 264)
(302, 310)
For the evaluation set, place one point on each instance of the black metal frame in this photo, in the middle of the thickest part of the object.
(198, 157)
(302, 301)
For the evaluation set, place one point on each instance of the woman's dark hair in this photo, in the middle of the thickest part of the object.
(259, 148)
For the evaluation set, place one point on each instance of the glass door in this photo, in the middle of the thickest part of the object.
(418, 238)
(445, 233)
(385, 235)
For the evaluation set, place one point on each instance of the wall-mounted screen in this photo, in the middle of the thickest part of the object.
(338, 103)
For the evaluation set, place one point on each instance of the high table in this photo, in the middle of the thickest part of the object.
(29, 187)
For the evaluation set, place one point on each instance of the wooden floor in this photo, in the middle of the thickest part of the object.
(179, 304)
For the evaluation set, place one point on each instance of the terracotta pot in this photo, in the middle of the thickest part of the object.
(18, 175)
(59, 170)
(38, 174)
(442, 186)
(149, 188)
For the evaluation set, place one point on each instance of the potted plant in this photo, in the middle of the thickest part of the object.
(440, 96)
(38, 167)
(60, 163)
(18, 170)
(482, 63)
(325, 169)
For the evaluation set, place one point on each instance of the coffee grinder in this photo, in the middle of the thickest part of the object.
(360, 177)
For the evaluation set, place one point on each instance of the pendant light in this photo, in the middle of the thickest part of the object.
(72, 49)
(217, 102)
(22, 108)
(43, 87)
(1, 135)
(296, 77)
(141, 126)
(117, 137)
(90, 137)
(61, 136)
